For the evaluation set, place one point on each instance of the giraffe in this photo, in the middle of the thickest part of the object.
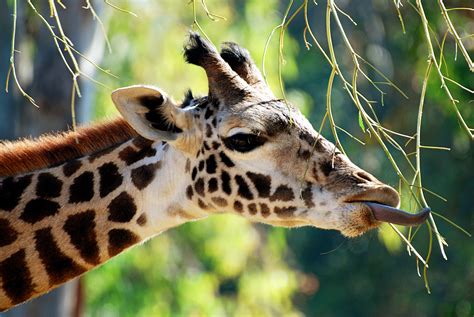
(69, 202)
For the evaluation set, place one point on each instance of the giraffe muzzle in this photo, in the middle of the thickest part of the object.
(396, 216)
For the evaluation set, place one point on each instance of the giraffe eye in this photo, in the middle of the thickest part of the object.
(243, 142)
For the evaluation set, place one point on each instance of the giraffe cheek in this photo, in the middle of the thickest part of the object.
(219, 201)
(307, 195)
(189, 192)
(199, 186)
(213, 185)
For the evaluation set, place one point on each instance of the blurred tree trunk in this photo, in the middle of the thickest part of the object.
(45, 77)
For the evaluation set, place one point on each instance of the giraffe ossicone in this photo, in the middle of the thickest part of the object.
(66, 207)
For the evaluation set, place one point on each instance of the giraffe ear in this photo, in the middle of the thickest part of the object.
(150, 112)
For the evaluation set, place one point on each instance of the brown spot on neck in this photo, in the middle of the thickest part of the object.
(129, 155)
(71, 167)
(8, 235)
(120, 239)
(143, 176)
(48, 186)
(16, 278)
(38, 209)
(82, 189)
(110, 178)
(81, 230)
(11, 190)
(59, 267)
(122, 208)
(142, 220)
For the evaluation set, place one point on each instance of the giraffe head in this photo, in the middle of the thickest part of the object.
(251, 153)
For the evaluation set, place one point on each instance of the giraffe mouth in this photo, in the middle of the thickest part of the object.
(385, 213)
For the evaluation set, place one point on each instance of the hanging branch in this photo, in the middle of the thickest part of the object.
(368, 120)
(12, 69)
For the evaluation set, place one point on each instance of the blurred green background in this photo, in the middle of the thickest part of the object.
(225, 265)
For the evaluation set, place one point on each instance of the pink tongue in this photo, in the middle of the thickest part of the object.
(397, 216)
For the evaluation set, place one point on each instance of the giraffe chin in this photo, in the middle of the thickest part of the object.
(396, 216)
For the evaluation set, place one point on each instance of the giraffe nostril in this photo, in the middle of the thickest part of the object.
(365, 177)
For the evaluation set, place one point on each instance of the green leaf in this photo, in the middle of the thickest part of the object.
(361, 122)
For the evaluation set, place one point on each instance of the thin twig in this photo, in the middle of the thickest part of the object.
(409, 245)
(12, 69)
(452, 29)
(120, 9)
(432, 56)
(441, 240)
(89, 7)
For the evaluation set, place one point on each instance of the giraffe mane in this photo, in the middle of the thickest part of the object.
(25, 155)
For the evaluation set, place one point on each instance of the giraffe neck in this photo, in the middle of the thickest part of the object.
(57, 223)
